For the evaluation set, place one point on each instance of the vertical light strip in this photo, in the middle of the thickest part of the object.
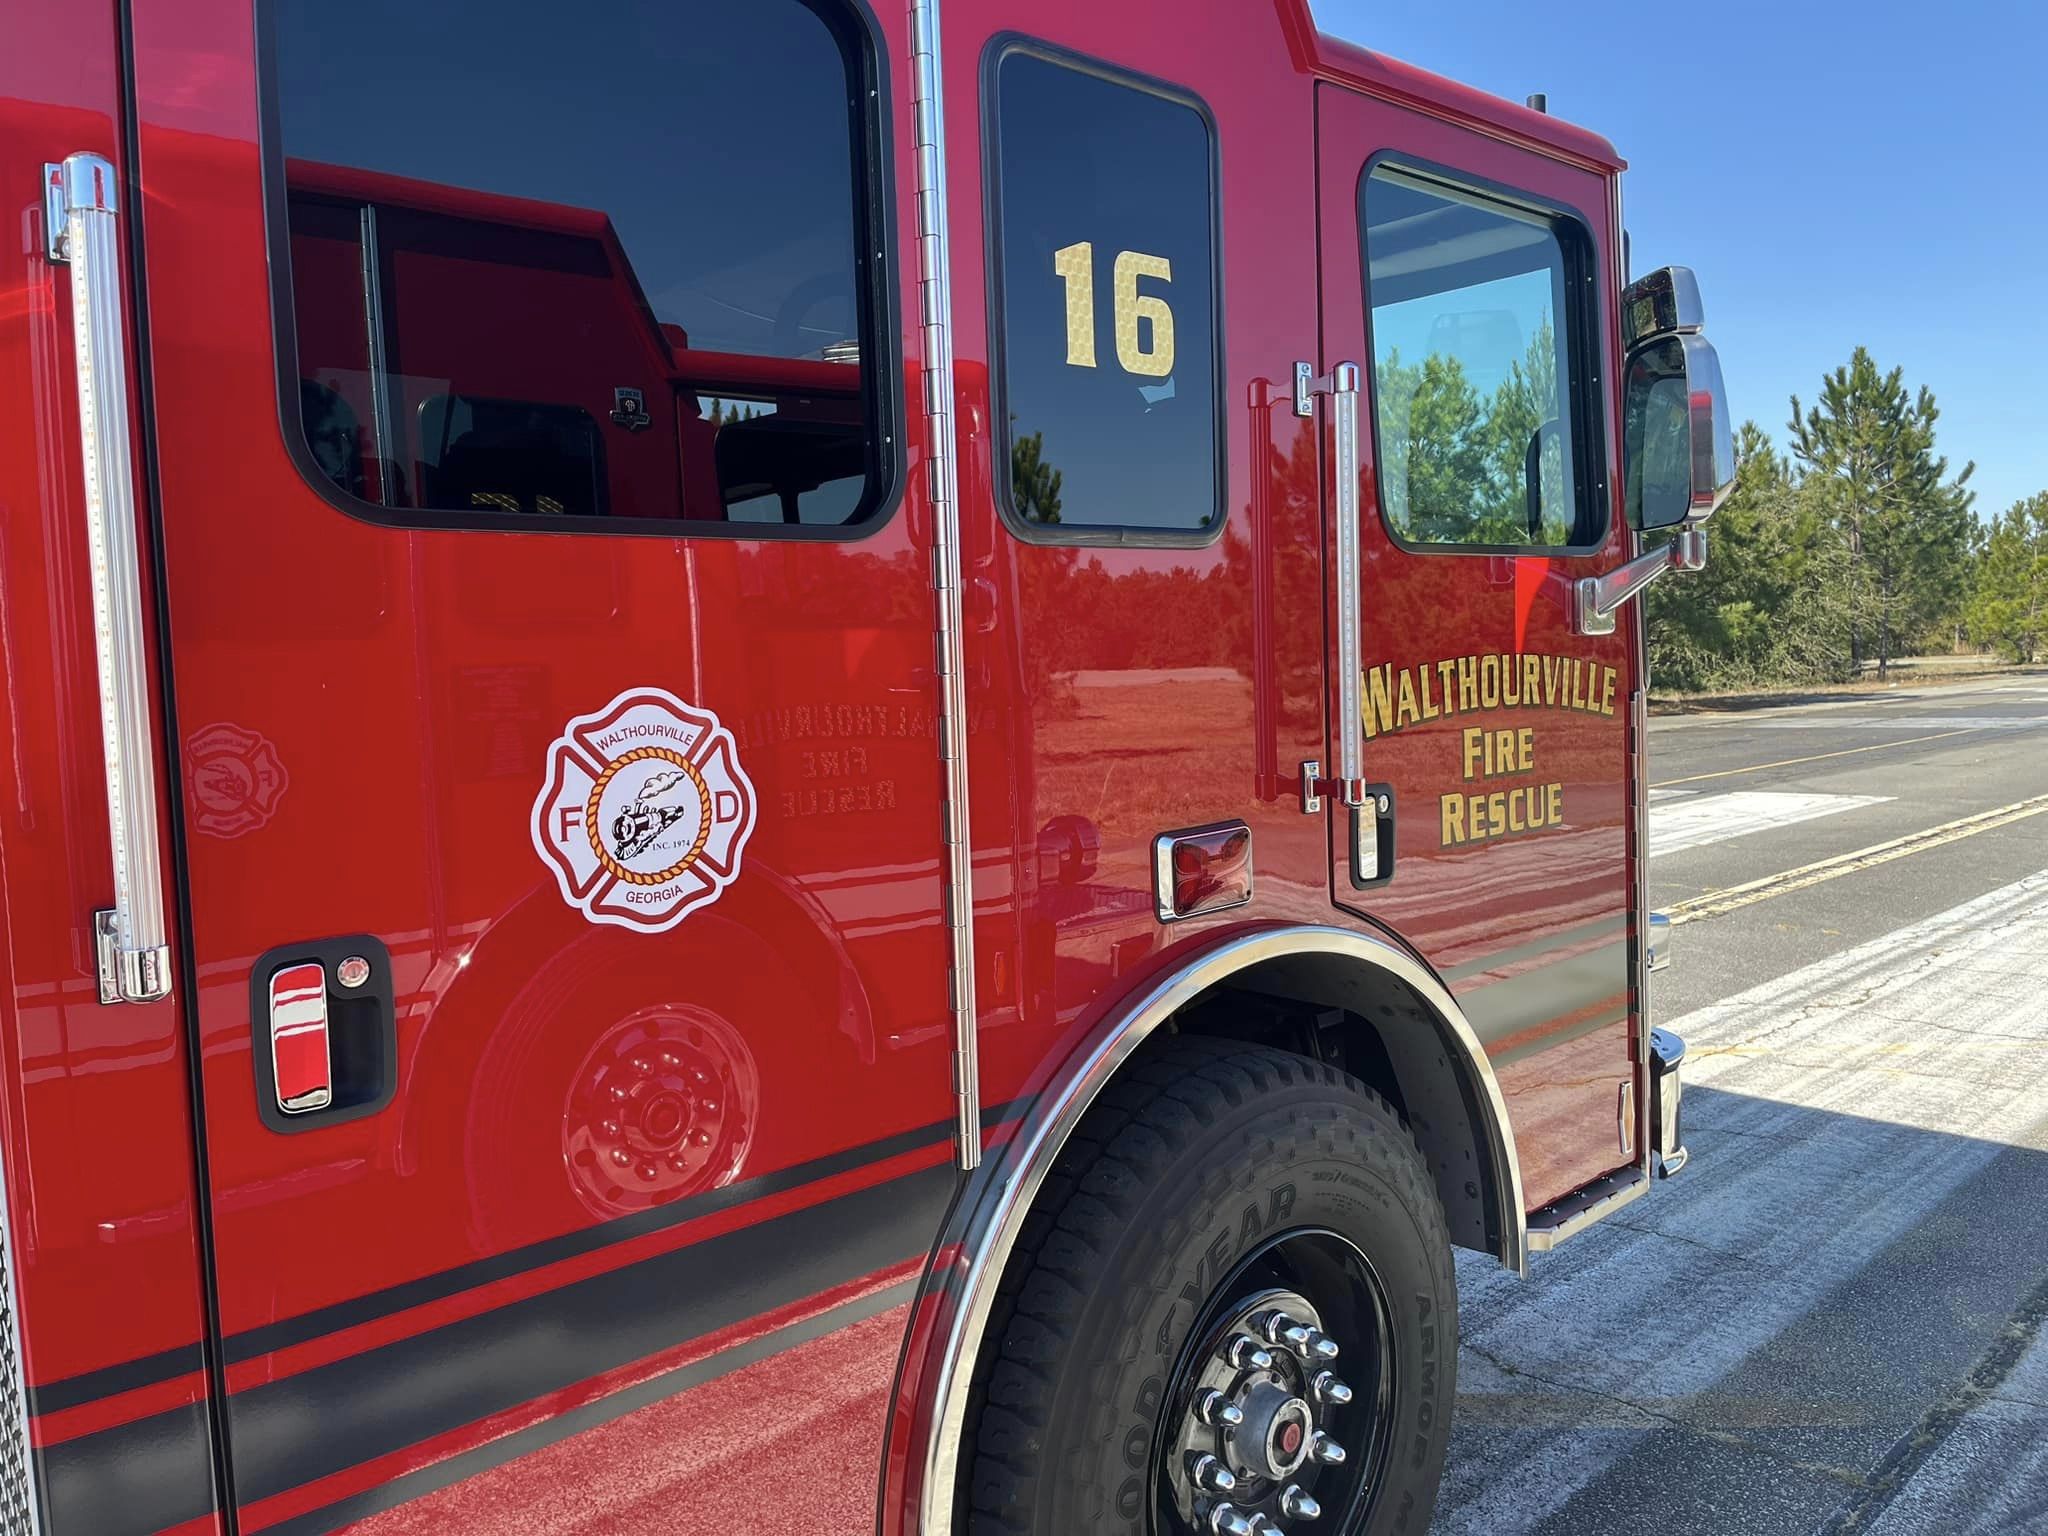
(942, 493)
(1344, 381)
(91, 246)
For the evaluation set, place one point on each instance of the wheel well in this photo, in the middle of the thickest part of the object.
(1372, 1025)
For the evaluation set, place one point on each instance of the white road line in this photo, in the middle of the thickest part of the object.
(2001, 1444)
(1716, 818)
(1906, 722)
(1868, 1087)
(1714, 903)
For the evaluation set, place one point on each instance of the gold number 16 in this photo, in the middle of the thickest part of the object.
(1076, 265)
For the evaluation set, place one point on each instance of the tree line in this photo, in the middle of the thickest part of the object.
(1853, 547)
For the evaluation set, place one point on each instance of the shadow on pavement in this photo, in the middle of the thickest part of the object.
(1776, 1341)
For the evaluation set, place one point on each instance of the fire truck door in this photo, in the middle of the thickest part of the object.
(1473, 283)
(551, 657)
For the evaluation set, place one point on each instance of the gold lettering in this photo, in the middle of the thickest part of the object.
(1429, 709)
(1405, 713)
(1607, 692)
(1550, 670)
(1379, 700)
(1489, 681)
(1532, 679)
(1475, 749)
(1553, 805)
(1468, 685)
(1525, 749)
(1454, 820)
(1511, 681)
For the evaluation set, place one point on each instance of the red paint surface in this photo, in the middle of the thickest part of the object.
(385, 658)
(94, 1111)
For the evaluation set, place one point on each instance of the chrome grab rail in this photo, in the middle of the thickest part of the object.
(1341, 384)
(81, 207)
(1595, 598)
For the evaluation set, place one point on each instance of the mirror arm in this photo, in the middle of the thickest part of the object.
(1595, 598)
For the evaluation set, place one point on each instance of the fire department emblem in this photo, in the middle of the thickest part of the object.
(235, 780)
(644, 812)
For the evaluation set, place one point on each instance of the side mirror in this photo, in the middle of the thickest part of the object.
(1678, 446)
(1678, 443)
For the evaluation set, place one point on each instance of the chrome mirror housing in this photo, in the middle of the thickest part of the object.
(1665, 302)
(1678, 443)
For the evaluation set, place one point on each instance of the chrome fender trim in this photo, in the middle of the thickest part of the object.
(982, 1228)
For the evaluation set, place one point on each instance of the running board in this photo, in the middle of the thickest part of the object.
(1571, 1215)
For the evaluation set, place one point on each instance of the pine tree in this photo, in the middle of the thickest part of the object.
(1034, 484)
(2009, 609)
(1867, 452)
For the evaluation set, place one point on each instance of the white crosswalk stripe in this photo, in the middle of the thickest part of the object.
(1703, 819)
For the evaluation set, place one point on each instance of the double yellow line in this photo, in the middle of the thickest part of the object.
(1714, 903)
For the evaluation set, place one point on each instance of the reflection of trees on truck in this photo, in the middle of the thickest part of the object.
(416, 393)
(636, 827)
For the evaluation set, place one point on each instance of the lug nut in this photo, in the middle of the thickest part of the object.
(1296, 1504)
(1212, 1407)
(1225, 1520)
(1317, 1348)
(1328, 1389)
(1244, 1353)
(1326, 1450)
(1279, 1328)
(1263, 1524)
(1211, 1475)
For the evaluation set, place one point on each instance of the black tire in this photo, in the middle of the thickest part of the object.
(1202, 1161)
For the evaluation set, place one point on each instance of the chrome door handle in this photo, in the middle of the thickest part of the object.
(1595, 598)
(81, 202)
(1341, 384)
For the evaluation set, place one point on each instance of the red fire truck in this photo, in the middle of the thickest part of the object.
(761, 773)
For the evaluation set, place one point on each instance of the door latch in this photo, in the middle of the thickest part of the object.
(325, 1032)
(301, 1054)
(1372, 838)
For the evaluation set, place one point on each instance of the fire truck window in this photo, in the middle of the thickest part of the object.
(556, 270)
(1104, 211)
(1481, 409)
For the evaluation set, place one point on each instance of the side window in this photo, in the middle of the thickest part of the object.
(1106, 302)
(545, 274)
(1486, 408)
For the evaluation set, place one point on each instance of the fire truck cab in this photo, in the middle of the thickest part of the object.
(812, 767)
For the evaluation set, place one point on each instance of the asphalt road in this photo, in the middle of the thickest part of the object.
(1832, 1321)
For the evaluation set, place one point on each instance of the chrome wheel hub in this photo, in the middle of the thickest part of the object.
(1259, 1433)
(1262, 1393)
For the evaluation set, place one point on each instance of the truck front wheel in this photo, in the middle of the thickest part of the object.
(1232, 1310)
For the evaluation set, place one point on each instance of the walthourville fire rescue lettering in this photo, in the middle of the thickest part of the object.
(676, 675)
(1460, 686)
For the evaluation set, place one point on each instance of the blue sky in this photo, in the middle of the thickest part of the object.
(1836, 173)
